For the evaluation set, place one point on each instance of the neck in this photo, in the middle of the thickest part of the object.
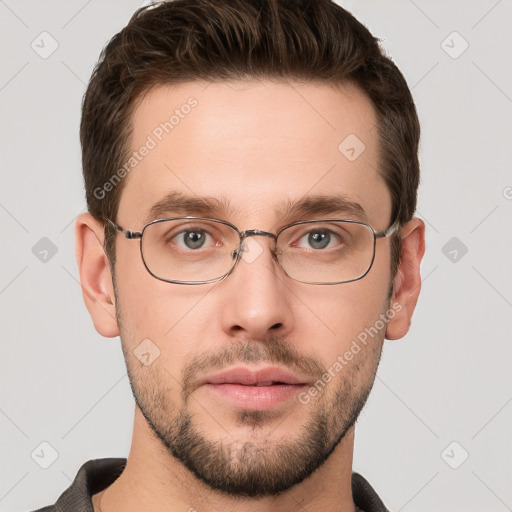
(154, 480)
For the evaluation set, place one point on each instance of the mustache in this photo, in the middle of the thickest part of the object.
(273, 349)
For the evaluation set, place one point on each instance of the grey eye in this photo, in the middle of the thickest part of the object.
(194, 239)
(319, 239)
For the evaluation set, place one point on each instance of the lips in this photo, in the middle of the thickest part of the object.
(254, 389)
(244, 376)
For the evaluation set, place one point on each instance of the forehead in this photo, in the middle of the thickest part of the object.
(254, 146)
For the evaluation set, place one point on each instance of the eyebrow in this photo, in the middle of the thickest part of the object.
(332, 204)
(179, 203)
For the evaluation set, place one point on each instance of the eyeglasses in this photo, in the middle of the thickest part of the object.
(201, 250)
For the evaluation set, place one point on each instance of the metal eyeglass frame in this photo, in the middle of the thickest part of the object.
(132, 235)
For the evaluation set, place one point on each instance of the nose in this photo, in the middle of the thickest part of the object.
(256, 297)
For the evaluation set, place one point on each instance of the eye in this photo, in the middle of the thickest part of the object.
(192, 239)
(188, 237)
(325, 237)
(319, 239)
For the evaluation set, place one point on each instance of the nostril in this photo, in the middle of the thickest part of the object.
(277, 326)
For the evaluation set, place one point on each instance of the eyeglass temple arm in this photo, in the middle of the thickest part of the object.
(389, 231)
(128, 233)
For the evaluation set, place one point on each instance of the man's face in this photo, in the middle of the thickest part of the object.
(256, 148)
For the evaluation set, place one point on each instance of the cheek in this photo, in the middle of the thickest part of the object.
(149, 307)
(338, 314)
(174, 318)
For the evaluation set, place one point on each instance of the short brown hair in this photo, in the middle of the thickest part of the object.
(185, 40)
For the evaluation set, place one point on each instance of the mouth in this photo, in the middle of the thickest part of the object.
(254, 389)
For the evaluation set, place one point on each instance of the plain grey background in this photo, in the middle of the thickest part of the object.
(436, 433)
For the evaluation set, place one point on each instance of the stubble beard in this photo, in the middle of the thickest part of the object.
(254, 466)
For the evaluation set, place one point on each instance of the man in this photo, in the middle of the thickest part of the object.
(251, 173)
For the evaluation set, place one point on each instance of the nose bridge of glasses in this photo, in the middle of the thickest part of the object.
(256, 232)
(249, 233)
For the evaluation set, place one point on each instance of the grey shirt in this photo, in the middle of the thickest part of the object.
(97, 474)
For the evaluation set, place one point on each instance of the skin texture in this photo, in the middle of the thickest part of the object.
(257, 145)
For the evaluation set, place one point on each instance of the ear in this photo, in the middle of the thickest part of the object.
(407, 282)
(95, 275)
